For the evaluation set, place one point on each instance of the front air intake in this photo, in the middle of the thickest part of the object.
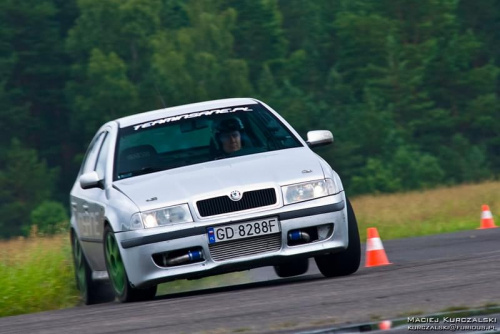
(222, 251)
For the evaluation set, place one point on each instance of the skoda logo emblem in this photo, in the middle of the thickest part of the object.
(235, 195)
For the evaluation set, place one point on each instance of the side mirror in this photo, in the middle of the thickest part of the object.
(319, 138)
(90, 180)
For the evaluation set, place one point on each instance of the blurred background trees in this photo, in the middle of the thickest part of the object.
(409, 88)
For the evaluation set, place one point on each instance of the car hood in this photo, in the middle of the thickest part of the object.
(220, 177)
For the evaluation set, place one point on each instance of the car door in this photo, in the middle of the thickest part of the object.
(80, 198)
(97, 207)
(91, 202)
(96, 201)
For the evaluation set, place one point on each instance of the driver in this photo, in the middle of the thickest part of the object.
(227, 134)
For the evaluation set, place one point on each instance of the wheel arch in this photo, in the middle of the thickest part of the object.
(107, 223)
(113, 219)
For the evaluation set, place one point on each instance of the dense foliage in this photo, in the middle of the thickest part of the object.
(409, 88)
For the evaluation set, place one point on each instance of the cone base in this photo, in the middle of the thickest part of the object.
(377, 265)
(485, 227)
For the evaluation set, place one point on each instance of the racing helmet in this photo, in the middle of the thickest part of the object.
(225, 125)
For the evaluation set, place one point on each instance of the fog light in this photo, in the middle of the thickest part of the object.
(324, 231)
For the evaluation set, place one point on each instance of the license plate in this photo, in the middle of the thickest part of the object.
(243, 230)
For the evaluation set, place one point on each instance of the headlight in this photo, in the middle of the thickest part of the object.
(167, 216)
(309, 190)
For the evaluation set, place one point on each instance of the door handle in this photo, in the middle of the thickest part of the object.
(85, 207)
(73, 204)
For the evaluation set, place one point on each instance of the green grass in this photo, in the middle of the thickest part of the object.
(36, 274)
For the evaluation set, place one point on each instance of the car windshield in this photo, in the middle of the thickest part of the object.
(199, 137)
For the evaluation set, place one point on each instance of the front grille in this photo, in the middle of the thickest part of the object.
(245, 247)
(249, 200)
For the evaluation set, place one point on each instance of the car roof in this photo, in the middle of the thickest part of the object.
(183, 109)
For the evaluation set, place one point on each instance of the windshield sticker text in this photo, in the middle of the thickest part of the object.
(188, 116)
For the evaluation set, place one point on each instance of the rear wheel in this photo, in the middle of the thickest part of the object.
(91, 292)
(345, 262)
(118, 275)
(293, 268)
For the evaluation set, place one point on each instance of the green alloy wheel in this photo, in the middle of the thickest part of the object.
(118, 275)
(114, 263)
(91, 292)
(80, 268)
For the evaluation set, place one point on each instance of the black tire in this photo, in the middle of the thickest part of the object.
(91, 292)
(294, 268)
(118, 274)
(345, 262)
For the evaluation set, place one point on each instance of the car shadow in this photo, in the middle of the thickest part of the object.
(240, 286)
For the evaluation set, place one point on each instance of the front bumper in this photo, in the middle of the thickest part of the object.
(137, 247)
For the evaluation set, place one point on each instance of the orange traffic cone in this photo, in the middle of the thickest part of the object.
(486, 218)
(375, 253)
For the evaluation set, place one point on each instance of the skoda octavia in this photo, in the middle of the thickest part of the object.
(205, 189)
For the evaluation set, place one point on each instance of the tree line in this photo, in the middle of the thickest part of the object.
(409, 88)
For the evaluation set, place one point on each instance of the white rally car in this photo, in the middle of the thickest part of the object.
(204, 189)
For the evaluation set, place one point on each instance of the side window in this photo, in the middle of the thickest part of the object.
(91, 156)
(274, 134)
(100, 167)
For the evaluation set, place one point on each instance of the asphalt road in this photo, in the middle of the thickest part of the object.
(428, 275)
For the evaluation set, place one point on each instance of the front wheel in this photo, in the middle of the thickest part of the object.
(345, 262)
(91, 292)
(118, 275)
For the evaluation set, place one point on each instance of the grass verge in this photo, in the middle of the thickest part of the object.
(37, 275)
(428, 212)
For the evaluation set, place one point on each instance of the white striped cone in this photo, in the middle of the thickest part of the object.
(486, 218)
(375, 253)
